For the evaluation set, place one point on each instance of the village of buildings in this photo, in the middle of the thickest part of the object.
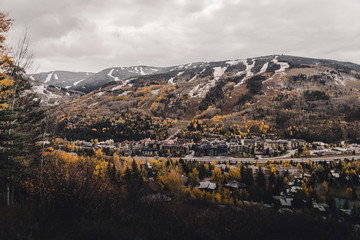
(251, 148)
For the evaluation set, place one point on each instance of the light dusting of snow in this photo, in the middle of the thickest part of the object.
(126, 82)
(142, 71)
(188, 65)
(76, 83)
(48, 78)
(336, 77)
(39, 89)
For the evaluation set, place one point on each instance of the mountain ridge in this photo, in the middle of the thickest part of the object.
(279, 90)
(87, 81)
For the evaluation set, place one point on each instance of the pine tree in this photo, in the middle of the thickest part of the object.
(20, 120)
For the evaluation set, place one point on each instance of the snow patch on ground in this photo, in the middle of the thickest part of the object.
(171, 81)
(32, 78)
(48, 78)
(280, 72)
(125, 93)
(41, 90)
(336, 77)
(193, 78)
(193, 91)
(247, 71)
(219, 71)
(110, 75)
(76, 83)
(99, 94)
(196, 92)
(126, 82)
(93, 104)
(233, 62)
(264, 68)
(180, 73)
(117, 88)
(67, 87)
(56, 76)
(155, 92)
(283, 65)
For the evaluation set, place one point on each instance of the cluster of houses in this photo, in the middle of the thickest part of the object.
(213, 147)
(284, 202)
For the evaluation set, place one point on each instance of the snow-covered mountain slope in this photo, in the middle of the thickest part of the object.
(186, 91)
(61, 78)
(110, 75)
(51, 95)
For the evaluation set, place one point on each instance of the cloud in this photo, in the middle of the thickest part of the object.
(83, 35)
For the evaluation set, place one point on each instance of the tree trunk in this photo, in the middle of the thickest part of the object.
(7, 195)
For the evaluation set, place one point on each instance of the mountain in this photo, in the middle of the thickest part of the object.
(293, 96)
(51, 95)
(113, 75)
(61, 78)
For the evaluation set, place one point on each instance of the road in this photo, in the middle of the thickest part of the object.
(264, 160)
(260, 160)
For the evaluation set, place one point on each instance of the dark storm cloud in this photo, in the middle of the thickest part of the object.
(91, 35)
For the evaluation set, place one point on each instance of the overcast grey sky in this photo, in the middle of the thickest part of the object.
(90, 35)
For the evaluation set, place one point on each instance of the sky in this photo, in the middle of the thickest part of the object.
(91, 35)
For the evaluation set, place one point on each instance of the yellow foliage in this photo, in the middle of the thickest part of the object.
(217, 176)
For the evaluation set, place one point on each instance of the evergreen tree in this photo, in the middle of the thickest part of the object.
(20, 120)
(260, 180)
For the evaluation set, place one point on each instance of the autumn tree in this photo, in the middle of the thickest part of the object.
(193, 177)
(173, 182)
(8, 166)
(217, 176)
